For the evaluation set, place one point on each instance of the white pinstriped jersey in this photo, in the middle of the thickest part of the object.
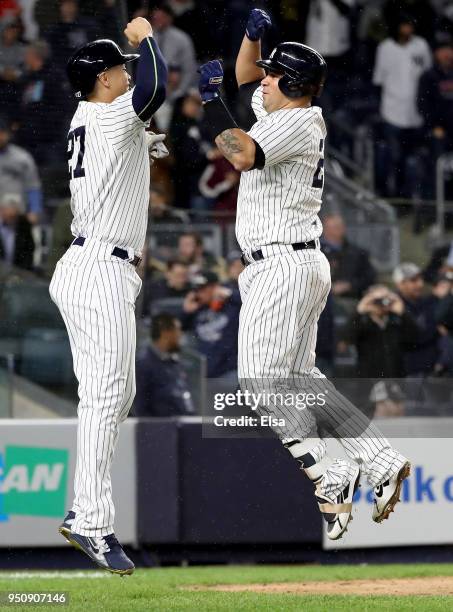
(109, 173)
(280, 203)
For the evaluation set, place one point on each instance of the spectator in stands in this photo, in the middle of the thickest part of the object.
(234, 268)
(441, 261)
(174, 284)
(435, 103)
(176, 46)
(211, 313)
(9, 9)
(162, 117)
(74, 30)
(43, 107)
(191, 251)
(328, 31)
(422, 14)
(28, 18)
(12, 54)
(380, 329)
(219, 182)
(189, 150)
(421, 352)
(16, 241)
(400, 61)
(444, 320)
(160, 211)
(195, 19)
(435, 94)
(162, 384)
(19, 174)
(352, 272)
(70, 32)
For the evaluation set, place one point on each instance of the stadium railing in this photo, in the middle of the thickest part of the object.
(371, 222)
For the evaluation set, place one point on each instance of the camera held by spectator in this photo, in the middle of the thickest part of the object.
(380, 327)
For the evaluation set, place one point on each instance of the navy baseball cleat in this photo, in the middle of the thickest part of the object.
(106, 551)
(65, 527)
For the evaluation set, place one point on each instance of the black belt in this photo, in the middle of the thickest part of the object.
(297, 246)
(117, 252)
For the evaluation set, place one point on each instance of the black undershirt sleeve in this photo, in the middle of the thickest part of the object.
(151, 80)
(245, 95)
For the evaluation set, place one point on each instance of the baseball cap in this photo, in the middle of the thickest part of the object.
(444, 276)
(202, 279)
(405, 271)
(442, 39)
(13, 199)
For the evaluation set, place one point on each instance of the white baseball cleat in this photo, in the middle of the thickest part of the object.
(387, 494)
(337, 515)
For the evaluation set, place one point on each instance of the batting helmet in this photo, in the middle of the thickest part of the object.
(303, 69)
(89, 61)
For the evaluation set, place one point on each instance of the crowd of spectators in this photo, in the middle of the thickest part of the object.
(390, 67)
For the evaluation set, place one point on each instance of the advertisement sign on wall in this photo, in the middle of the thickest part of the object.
(425, 510)
(37, 463)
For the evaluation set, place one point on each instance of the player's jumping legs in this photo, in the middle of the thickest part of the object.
(99, 315)
(282, 300)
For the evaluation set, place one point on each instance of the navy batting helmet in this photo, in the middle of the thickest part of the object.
(89, 61)
(304, 69)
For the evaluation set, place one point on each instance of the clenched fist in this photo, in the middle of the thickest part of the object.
(136, 30)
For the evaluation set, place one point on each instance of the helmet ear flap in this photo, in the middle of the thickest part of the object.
(290, 87)
(295, 88)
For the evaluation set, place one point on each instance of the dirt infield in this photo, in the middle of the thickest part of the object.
(398, 586)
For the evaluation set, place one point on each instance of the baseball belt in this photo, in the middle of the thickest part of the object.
(117, 252)
(297, 246)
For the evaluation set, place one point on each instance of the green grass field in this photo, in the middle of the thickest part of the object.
(163, 589)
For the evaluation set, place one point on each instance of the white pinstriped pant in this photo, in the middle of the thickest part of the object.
(96, 293)
(283, 296)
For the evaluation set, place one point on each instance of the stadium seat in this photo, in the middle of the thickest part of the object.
(46, 357)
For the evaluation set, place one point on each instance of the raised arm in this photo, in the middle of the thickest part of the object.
(235, 144)
(150, 88)
(246, 69)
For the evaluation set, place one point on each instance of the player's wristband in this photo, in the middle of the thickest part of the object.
(260, 158)
(218, 117)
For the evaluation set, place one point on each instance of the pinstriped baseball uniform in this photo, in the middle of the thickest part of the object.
(280, 203)
(96, 289)
(111, 202)
(284, 293)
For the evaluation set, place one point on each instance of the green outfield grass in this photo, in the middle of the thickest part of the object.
(163, 589)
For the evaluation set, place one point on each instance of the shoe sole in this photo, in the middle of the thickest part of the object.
(344, 530)
(126, 572)
(65, 532)
(390, 505)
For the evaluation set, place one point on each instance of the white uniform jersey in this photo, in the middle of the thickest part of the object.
(280, 203)
(109, 173)
(397, 70)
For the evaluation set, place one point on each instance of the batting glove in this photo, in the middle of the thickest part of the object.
(156, 147)
(211, 77)
(259, 21)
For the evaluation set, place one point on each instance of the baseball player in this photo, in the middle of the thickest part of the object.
(95, 283)
(286, 281)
